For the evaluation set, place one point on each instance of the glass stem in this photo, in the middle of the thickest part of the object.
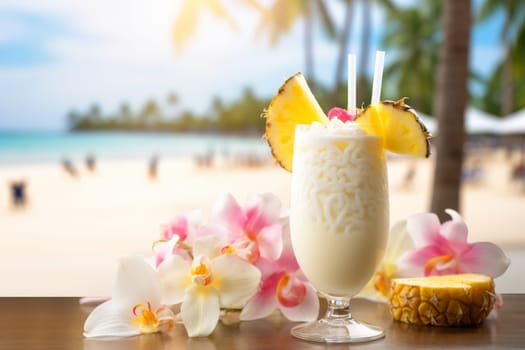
(338, 309)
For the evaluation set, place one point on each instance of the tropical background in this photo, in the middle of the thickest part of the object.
(117, 115)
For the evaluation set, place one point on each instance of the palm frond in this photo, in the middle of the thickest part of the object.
(328, 25)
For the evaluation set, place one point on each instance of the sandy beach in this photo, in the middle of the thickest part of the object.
(68, 240)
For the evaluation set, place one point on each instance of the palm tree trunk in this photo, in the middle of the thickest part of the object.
(308, 44)
(507, 106)
(450, 103)
(365, 48)
(343, 50)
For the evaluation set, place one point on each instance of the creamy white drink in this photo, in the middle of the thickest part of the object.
(339, 206)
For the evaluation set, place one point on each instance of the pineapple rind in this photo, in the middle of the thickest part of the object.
(453, 300)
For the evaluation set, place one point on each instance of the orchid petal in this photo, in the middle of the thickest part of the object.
(200, 310)
(486, 258)
(267, 267)
(175, 277)
(106, 320)
(209, 246)
(163, 249)
(235, 279)
(227, 212)
(178, 226)
(265, 301)
(454, 230)
(399, 241)
(261, 210)
(307, 310)
(260, 306)
(412, 263)
(287, 260)
(423, 228)
(270, 241)
(136, 282)
(194, 226)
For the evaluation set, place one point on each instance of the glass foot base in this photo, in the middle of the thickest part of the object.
(337, 331)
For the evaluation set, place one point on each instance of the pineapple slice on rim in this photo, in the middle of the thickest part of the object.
(293, 104)
(451, 300)
(398, 125)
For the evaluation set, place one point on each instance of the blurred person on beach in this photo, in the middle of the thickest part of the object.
(153, 167)
(410, 174)
(473, 171)
(518, 172)
(69, 168)
(18, 194)
(90, 163)
(206, 160)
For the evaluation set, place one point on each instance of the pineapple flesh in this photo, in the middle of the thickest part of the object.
(293, 104)
(452, 300)
(398, 125)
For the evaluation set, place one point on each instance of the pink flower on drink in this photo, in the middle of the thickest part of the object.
(442, 249)
(253, 231)
(285, 288)
(341, 114)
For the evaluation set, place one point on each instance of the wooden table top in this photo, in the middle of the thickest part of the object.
(56, 323)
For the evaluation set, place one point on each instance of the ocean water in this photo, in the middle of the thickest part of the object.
(22, 147)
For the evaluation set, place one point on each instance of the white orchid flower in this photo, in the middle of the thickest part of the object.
(211, 282)
(135, 306)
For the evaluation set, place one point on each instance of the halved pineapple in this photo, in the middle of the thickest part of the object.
(293, 104)
(453, 300)
(399, 127)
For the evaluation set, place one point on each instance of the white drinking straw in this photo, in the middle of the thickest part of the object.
(352, 87)
(378, 76)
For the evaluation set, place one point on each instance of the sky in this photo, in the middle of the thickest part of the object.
(62, 55)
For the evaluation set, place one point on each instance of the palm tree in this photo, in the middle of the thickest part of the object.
(451, 99)
(364, 83)
(411, 37)
(187, 20)
(150, 116)
(280, 18)
(188, 16)
(364, 52)
(514, 22)
(344, 37)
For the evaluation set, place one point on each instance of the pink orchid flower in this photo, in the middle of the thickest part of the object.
(164, 249)
(283, 287)
(185, 226)
(253, 231)
(442, 249)
(179, 235)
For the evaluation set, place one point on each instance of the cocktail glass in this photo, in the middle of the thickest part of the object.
(339, 223)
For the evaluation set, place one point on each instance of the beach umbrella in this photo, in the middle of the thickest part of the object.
(476, 122)
(479, 122)
(514, 123)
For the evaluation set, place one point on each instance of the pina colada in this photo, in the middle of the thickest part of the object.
(339, 206)
(339, 197)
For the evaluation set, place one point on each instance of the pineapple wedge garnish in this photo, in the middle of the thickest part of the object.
(395, 123)
(398, 125)
(293, 104)
(452, 300)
